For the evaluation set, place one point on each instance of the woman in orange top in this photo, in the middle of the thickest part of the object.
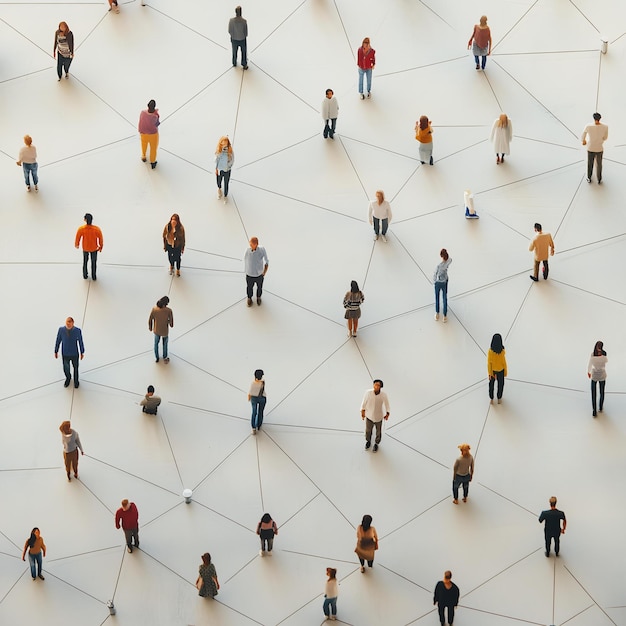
(424, 134)
(481, 38)
(35, 546)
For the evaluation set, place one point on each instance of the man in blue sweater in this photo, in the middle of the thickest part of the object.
(70, 338)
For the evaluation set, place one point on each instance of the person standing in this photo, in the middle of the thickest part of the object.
(596, 371)
(71, 446)
(462, 473)
(36, 551)
(496, 366)
(440, 280)
(63, 49)
(148, 128)
(128, 516)
(446, 596)
(207, 582)
(366, 542)
(543, 246)
(424, 134)
(28, 160)
(501, 137)
(366, 60)
(70, 338)
(92, 244)
(331, 591)
(224, 159)
(161, 319)
(257, 398)
(255, 264)
(380, 213)
(238, 31)
(552, 526)
(330, 113)
(266, 529)
(480, 42)
(372, 412)
(174, 242)
(150, 402)
(594, 137)
(352, 302)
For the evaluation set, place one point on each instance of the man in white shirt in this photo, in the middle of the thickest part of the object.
(372, 412)
(594, 137)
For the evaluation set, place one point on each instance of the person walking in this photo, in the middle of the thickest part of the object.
(594, 137)
(224, 159)
(238, 31)
(113, 6)
(36, 549)
(365, 60)
(266, 529)
(150, 403)
(331, 591)
(71, 446)
(70, 338)
(161, 319)
(366, 542)
(496, 366)
(480, 42)
(542, 244)
(28, 160)
(372, 412)
(207, 583)
(501, 137)
(128, 516)
(257, 398)
(93, 241)
(64, 46)
(440, 280)
(255, 264)
(552, 529)
(596, 371)
(352, 304)
(380, 213)
(462, 473)
(148, 128)
(446, 596)
(330, 113)
(174, 242)
(424, 134)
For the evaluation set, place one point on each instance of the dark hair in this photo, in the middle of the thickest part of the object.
(88, 218)
(444, 254)
(332, 572)
(32, 538)
(366, 522)
(179, 226)
(424, 122)
(496, 343)
(163, 302)
(266, 518)
(150, 388)
(538, 226)
(598, 349)
(238, 11)
(151, 106)
(354, 287)
(377, 380)
(331, 91)
(597, 116)
(206, 558)
(258, 374)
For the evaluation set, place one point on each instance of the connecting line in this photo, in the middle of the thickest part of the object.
(590, 596)
(508, 32)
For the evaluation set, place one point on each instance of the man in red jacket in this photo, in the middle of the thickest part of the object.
(129, 516)
(92, 244)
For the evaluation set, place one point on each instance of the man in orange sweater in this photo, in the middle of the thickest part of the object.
(92, 244)
(542, 245)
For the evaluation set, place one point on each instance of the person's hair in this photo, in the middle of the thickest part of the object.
(206, 558)
(151, 106)
(238, 11)
(382, 194)
(447, 574)
(88, 218)
(496, 343)
(254, 240)
(219, 147)
(483, 20)
(377, 380)
(552, 501)
(538, 226)
(163, 302)
(464, 446)
(60, 29)
(503, 120)
(423, 122)
(598, 349)
(258, 374)
(266, 518)
(332, 573)
(32, 538)
(366, 522)
(124, 501)
(65, 427)
(444, 254)
(150, 388)
(71, 319)
(354, 286)
(331, 91)
(366, 40)
(28, 140)
(597, 116)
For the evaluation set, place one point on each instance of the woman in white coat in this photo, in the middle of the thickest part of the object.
(501, 136)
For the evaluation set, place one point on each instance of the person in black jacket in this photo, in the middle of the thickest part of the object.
(446, 595)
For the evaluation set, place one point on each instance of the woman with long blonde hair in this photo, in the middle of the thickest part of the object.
(480, 42)
(224, 159)
(501, 136)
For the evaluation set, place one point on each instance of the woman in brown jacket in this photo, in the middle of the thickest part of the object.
(366, 542)
(174, 242)
(35, 547)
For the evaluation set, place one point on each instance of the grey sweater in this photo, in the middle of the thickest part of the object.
(237, 28)
(71, 442)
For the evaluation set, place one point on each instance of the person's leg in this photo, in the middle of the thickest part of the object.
(484, 61)
(376, 226)
(31, 562)
(129, 538)
(500, 378)
(39, 561)
(249, 286)
(135, 535)
(262, 401)
(74, 462)
(385, 222)
(355, 325)
(66, 368)
(254, 402)
(368, 74)
(233, 45)
(370, 563)
(444, 291)
(369, 425)
(259, 286)
(477, 61)
(599, 165)
(165, 342)
(67, 61)
(157, 338)
(455, 487)
(94, 262)
(326, 129)
(590, 158)
(361, 73)
(67, 460)
(594, 387)
(492, 381)
(153, 140)
(546, 269)
(333, 605)
(270, 544)
(326, 607)
(465, 482)
(226, 182)
(437, 292)
(379, 431)
(74, 360)
(450, 614)
(218, 179)
(59, 66)
(536, 270)
(85, 259)
(144, 145)
(26, 171)
(176, 253)
(333, 126)
(547, 536)
(244, 53)
(602, 384)
(557, 542)
(441, 608)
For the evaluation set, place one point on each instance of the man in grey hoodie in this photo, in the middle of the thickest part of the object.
(238, 31)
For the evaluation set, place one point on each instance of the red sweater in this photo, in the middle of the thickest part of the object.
(129, 519)
(366, 61)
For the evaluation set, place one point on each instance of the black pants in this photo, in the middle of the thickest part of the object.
(499, 376)
(442, 608)
(593, 393)
(369, 563)
(225, 175)
(457, 481)
(557, 541)
(243, 44)
(597, 156)
(173, 254)
(94, 259)
(329, 129)
(63, 63)
(254, 280)
(66, 367)
(132, 534)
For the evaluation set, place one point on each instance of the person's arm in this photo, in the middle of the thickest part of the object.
(24, 551)
(469, 43)
(455, 467)
(54, 49)
(493, 130)
(364, 404)
(506, 371)
(165, 239)
(181, 240)
(57, 343)
(584, 137)
(171, 320)
(100, 240)
(551, 244)
(542, 517)
(267, 265)
(386, 401)
(144, 402)
(510, 128)
(275, 527)
(489, 364)
(370, 211)
(150, 320)
(70, 42)
(43, 547)
(471, 469)
(258, 528)
(373, 58)
(375, 539)
(79, 236)
(118, 517)
(531, 247)
(389, 212)
(564, 524)
(489, 43)
(81, 345)
(79, 445)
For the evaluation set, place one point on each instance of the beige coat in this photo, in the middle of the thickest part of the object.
(366, 543)
(542, 244)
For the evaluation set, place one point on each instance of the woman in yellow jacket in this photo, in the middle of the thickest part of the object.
(496, 366)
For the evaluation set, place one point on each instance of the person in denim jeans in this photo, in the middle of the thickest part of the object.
(28, 160)
(36, 548)
(366, 60)
(331, 591)
(256, 397)
(161, 319)
(440, 279)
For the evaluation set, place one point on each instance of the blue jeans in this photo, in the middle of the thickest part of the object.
(483, 63)
(367, 73)
(156, 345)
(225, 176)
(73, 359)
(330, 606)
(30, 168)
(258, 406)
(38, 559)
(377, 224)
(243, 45)
(443, 288)
(460, 479)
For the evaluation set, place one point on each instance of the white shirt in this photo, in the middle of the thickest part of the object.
(373, 405)
(596, 135)
(380, 211)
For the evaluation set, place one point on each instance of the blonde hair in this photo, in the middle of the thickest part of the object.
(382, 194)
(464, 446)
(28, 140)
(503, 120)
(366, 41)
(226, 141)
(124, 502)
(483, 20)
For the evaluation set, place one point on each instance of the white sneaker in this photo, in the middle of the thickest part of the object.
(269, 553)
(225, 199)
(384, 239)
(261, 553)
(219, 193)
(436, 317)
(254, 431)
(375, 236)
(445, 319)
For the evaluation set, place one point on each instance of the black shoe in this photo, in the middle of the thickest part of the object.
(589, 180)
(431, 161)
(594, 413)
(153, 165)
(245, 67)
(94, 277)
(599, 181)
(156, 360)
(41, 576)
(367, 445)
(85, 276)
(76, 384)
(258, 301)
(547, 553)
(67, 382)
(533, 278)
(556, 553)
(375, 447)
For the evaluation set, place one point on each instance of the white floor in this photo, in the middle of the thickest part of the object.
(306, 199)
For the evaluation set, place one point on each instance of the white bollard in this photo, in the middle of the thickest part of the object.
(187, 493)
(605, 45)
(111, 607)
